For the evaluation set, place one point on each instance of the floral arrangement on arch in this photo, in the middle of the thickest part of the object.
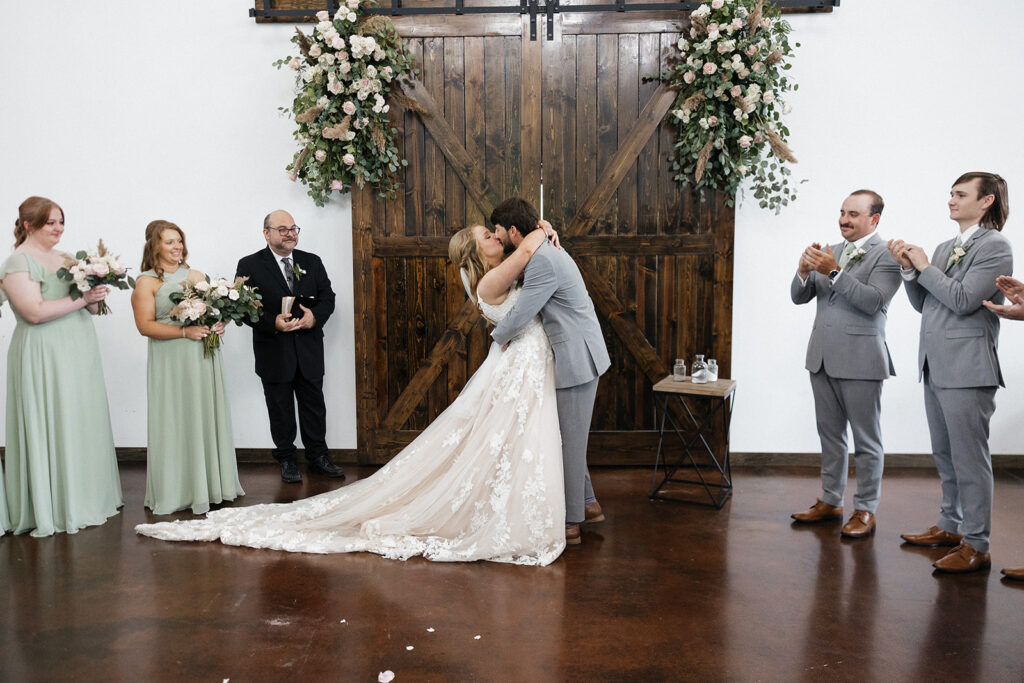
(345, 72)
(731, 80)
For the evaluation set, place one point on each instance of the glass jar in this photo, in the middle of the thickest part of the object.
(679, 370)
(712, 370)
(700, 371)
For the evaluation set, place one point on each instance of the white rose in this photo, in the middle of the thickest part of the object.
(222, 290)
(769, 97)
(379, 54)
(371, 71)
(233, 295)
(323, 15)
(351, 17)
(202, 286)
(315, 51)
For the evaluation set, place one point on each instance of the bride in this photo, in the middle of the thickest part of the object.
(482, 482)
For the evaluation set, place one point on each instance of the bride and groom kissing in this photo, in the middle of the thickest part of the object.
(501, 474)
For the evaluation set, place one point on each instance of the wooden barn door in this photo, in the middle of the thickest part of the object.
(505, 114)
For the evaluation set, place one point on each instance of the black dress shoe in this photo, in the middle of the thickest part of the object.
(324, 466)
(290, 471)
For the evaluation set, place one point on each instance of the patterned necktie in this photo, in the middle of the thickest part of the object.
(289, 276)
(949, 262)
(847, 253)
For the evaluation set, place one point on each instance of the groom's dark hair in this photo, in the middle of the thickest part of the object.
(516, 212)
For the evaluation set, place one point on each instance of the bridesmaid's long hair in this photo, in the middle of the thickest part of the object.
(151, 251)
(465, 253)
(32, 215)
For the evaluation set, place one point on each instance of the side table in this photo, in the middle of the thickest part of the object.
(721, 395)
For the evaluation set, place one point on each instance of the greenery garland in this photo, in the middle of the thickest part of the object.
(345, 72)
(731, 80)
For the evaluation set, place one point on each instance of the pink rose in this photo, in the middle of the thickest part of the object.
(713, 26)
(745, 141)
(99, 269)
(320, 155)
(294, 63)
(688, 77)
(735, 91)
(337, 185)
(348, 159)
(357, 124)
(710, 68)
(758, 67)
(348, 108)
(338, 43)
(717, 4)
(712, 120)
(751, 50)
(342, 56)
(737, 23)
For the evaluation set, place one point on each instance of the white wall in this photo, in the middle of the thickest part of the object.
(125, 111)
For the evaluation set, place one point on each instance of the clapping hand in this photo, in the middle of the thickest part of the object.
(1014, 292)
(819, 259)
(909, 255)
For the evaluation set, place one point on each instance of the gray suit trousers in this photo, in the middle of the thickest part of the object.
(958, 421)
(575, 410)
(859, 403)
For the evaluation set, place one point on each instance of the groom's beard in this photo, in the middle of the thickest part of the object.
(509, 247)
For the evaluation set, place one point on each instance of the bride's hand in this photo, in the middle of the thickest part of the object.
(531, 243)
(550, 232)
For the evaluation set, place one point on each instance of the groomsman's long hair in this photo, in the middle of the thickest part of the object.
(151, 251)
(990, 184)
(465, 254)
(32, 215)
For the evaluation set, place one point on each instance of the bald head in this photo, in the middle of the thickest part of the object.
(280, 231)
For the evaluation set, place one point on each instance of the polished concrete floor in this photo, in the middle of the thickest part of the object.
(661, 591)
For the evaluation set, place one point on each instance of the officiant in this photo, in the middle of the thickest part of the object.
(288, 343)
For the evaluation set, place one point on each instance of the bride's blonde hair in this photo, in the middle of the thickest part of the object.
(464, 252)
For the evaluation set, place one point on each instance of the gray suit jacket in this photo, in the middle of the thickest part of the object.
(554, 288)
(959, 336)
(848, 337)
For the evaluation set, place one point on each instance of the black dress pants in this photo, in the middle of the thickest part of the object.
(281, 399)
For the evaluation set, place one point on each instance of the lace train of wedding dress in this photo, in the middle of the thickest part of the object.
(482, 482)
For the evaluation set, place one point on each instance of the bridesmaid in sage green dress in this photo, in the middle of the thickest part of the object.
(61, 471)
(190, 454)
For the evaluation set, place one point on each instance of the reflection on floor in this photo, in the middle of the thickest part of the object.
(660, 591)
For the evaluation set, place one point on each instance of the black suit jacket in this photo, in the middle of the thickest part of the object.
(280, 354)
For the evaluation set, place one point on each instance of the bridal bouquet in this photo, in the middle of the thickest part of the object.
(87, 270)
(731, 80)
(213, 300)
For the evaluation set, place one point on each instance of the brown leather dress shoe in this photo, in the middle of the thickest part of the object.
(1015, 574)
(861, 524)
(932, 538)
(819, 512)
(592, 513)
(572, 534)
(963, 559)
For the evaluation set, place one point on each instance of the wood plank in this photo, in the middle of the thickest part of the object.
(415, 146)
(403, 406)
(513, 117)
(496, 134)
(586, 245)
(669, 201)
(434, 163)
(567, 163)
(455, 116)
(723, 219)
(625, 156)
(467, 168)
(608, 134)
(587, 170)
(476, 117)
(553, 112)
(363, 324)
(530, 115)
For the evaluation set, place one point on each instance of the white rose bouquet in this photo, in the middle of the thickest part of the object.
(344, 76)
(87, 270)
(731, 78)
(213, 300)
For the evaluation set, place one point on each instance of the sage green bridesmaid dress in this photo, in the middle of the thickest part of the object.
(61, 471)
(190, 457)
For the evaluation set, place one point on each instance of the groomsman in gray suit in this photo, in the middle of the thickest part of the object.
(847, 357)
(554, 288)
(958, 361)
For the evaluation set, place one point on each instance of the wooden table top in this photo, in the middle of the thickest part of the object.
(718, 389)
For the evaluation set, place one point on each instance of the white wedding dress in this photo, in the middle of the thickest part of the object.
(482, 482)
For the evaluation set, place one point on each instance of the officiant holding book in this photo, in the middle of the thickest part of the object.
(288, 343)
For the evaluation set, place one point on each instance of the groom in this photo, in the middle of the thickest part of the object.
(554, 288)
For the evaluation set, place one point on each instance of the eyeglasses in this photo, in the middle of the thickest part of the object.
(284, 231)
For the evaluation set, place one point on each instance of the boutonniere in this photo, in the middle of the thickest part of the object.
(297, 271)
(958, 254)
(858, 255)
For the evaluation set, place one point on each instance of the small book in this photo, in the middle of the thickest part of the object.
(290, 304)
